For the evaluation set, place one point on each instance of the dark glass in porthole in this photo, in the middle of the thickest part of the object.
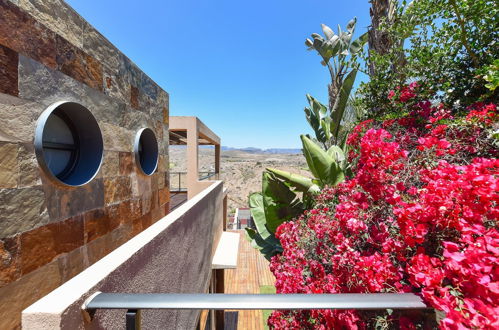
(60, 145)
(68, 143)
(146, 151)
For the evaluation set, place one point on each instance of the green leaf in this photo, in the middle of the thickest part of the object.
(280, 203)
(299, 182)
(341, 101)
(351, 25)
(323, 166)
(358, 44)
(337, 154)
(327, 31)
(257, 210)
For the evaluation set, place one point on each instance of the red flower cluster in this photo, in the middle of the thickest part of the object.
(419, 215)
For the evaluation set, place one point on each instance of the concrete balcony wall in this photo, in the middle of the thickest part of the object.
(171, 256)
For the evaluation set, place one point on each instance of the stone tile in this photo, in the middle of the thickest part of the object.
(141, 223)
(141, 185)
(29, 173)
(160, 177)
(117, 138)
(117, 189)
(66, 202)
(166, 116)
(9, 166)
(149, 87)
(21, 210)
(162, 163)
(134, 97)
(77, 64)
(72, 263)
(116, 85)
(41, 245)
(8, 71)
(103, 50)
(96, 224)
(129, 70)
(20, 32)
(127, 163)
(111, 164)
(57, 16)
(18, 118)
(22, 293)
(46, 86)
(164, 196)
(9, 260)
(135, 120)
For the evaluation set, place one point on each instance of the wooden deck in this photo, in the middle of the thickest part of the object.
(252, 272)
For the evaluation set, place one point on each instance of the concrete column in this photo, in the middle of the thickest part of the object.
(192, 158)
(217, 161)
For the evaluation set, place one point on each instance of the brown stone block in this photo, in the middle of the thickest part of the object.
(164, 196)
(96, 224)
(8, 71)
(111, 164)
(20, 32)
(65, 202)
(41, 245)
(147, 220)
(156, 214)
(166, 116)
(117, 189)
(126, 163)
(22, 293)
(9, 260)
(29, 174)
(77, 64)
(72, 263)
(9, 166)
(134, 97)
(167, 208)
(21, 210)
(141, 223)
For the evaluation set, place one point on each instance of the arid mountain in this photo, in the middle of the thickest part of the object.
(241, 171)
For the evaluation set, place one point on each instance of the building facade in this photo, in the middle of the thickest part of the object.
(83, 157)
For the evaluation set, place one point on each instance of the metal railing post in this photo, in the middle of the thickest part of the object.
(132, 319)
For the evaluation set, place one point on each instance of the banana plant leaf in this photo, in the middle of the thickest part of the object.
(280, 202)
(323, 166)
(299, 182)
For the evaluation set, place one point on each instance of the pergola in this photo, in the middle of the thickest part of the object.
(192, 132)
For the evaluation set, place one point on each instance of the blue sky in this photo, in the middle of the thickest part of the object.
(240, 66)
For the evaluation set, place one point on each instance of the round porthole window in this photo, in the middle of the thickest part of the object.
(146, 151)
(68, 143)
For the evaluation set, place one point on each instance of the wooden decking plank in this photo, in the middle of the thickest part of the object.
(252, 272)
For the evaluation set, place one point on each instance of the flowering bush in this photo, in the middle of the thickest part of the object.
(420, 214)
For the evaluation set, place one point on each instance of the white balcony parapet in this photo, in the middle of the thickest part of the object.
(226, 253)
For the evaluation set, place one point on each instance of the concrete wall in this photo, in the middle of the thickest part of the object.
(49, 233)
(172, 256)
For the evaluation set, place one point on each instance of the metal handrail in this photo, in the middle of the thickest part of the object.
(219, 301)
(206, 175)
(179, 188)
(135, 302)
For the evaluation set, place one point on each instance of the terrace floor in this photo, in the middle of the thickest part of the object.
(177, 199)
(251, 273)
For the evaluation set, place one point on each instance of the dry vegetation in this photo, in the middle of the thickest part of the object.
(241, 171)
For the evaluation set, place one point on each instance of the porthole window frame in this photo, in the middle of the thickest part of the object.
(146, 145)
(88, 144)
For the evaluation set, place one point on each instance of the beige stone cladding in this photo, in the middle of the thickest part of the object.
(49, 232)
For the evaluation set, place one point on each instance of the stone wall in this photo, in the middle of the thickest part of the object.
(50, 233)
